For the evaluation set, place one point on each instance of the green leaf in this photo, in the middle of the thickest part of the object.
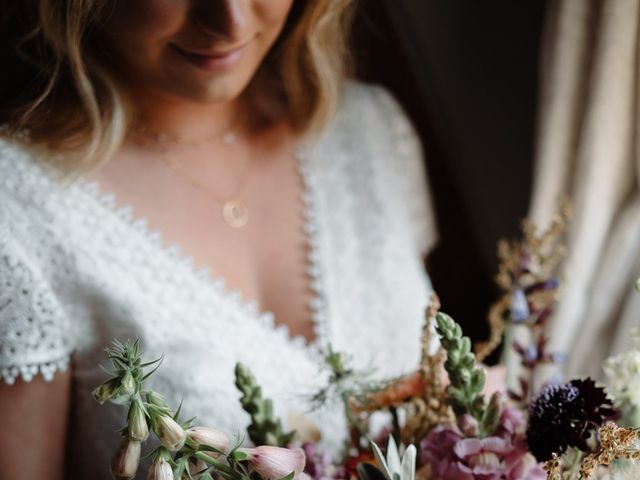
(288, 477)
(467, 380)
(478, 379)
(465, 345)
(265, 428)
(176, 415)
(409, 463)
(381, 461)
(393, 457)
(239, 456)
(158, 362)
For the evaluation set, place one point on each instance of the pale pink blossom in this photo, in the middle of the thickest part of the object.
(171, 434)
(125, 463)
(160, 470)
(275, 462)
(210, 437)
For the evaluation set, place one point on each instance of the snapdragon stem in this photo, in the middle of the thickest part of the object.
(353, 420)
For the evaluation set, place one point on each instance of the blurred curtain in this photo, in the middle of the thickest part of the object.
(587, 149)
(467, 74)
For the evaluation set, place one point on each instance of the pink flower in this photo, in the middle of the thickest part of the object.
(125, 462)
(160, 470)
(210, 437)
(319, 464)
(170, 433)
(275, 462)
(502, 456)
(511, 423)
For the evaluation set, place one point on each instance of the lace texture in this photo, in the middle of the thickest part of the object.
(76, 272)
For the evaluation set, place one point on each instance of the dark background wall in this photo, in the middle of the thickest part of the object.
(467, 72)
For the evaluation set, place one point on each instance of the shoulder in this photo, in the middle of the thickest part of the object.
(20, 171)
(371, 120)
(27, 181)
(376, 140)
(366, 95)
(13, 196)
(32, 216)
(33, 325)
(369, 104)
(14, 154)
(18, 158)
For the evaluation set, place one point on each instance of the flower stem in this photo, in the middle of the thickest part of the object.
(217, 464)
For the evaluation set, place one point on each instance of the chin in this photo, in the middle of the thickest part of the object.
(212, 91)
(209, 93)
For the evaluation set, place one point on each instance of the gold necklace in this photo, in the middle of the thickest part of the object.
(228, 137)
(235, 212)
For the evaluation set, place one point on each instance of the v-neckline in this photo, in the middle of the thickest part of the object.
(216, 284)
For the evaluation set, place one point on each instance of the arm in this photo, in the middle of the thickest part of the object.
(34, 419)
(36, 342)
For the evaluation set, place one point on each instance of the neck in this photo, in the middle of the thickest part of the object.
(181, 118)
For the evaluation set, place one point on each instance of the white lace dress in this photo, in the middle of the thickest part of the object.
(75, 273)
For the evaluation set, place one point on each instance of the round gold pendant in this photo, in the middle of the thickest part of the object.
(235, 213)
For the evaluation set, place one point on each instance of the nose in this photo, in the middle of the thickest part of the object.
(224, 19)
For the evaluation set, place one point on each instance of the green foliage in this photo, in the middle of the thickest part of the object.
(467, 381)
(265, 427)
(394, 467)
(148, 411)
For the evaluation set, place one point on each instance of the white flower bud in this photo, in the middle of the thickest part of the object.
(156, 399)
(106, 391)
(170, 433)
(126, 388)
(128, 384)
(138, 427)
(125, 463)
(160, 470)
(274, 462)
(210, 437)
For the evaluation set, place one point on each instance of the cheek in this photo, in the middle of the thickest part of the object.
(273, 12)
(145, 21)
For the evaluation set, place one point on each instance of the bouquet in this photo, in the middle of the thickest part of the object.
(449, 429)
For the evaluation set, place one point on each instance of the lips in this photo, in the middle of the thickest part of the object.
(211, 60)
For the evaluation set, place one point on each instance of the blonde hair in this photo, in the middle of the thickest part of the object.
(68, 102)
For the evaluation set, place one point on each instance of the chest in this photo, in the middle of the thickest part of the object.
(265, 261)
(368, 287)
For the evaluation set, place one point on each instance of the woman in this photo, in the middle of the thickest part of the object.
(226, 128)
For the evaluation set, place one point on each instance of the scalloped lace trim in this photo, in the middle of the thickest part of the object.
(317, 302)
(28, 372)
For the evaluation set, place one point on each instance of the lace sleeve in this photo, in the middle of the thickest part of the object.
(409, 171)
(34, 333)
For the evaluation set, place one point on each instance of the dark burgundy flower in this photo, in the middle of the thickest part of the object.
(566, 415)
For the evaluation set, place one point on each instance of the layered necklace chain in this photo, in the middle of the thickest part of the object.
(235, 212)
